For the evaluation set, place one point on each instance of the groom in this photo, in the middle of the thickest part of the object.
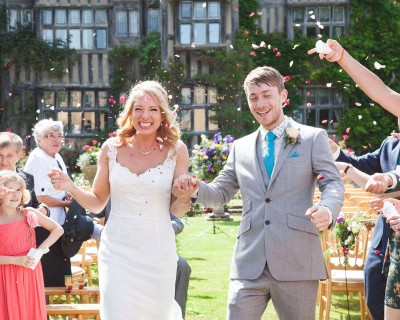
(278, 254)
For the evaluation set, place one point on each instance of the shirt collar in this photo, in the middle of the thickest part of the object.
(279, 130)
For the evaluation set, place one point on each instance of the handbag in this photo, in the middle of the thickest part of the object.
(78, 227)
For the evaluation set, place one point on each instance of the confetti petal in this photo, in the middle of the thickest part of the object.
(378, 66)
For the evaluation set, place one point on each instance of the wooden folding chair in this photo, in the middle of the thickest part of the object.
(341, 277)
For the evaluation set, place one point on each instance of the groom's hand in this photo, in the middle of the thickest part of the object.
(185, 185)
(319, 217)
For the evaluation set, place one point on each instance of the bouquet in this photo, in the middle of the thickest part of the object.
(209, 157)
(89, 156)
(347, 231)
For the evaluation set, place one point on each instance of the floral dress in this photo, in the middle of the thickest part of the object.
(391, 268)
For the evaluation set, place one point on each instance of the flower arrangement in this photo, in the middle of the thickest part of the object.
(292, 136)
(89, 156)
(347, 231)
(209, 157)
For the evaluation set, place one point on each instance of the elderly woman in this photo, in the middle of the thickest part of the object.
(49, 136)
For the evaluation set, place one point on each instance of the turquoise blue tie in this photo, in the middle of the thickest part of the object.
(270, 154)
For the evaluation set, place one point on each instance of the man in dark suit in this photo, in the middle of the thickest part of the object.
(382, 160)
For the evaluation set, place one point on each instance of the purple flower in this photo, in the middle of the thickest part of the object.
(340, 218)
(229, 139)
(217, 138)
(209, 169)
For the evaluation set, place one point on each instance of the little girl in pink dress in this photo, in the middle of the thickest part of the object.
(22, 289)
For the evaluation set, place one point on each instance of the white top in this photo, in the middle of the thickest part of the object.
(39, 164)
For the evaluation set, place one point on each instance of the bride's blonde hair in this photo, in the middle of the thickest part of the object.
(168, 130)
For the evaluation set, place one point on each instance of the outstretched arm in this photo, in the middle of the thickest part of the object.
(369, 82)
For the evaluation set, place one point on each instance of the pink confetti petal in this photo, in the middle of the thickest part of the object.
(347, 130)
(320, 177)
(251, 14)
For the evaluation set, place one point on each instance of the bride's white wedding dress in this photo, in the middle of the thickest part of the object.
(137, 255)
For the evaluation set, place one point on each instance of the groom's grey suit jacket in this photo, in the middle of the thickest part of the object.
(274, 229)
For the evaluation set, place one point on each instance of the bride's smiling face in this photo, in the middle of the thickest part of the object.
(146, 114)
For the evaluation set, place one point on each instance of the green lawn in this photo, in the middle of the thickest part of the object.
(209, 256)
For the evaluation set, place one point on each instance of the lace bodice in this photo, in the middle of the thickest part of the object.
(147, 193)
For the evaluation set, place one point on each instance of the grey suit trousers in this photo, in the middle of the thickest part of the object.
(293, 300)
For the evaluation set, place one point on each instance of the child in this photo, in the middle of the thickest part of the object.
(10, 153)
(22, 289)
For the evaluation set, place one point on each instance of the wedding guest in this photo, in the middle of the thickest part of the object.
(22, 289)
(49, 137)
(368, 82)
(137, 254)
(275, 169)
(10, 153)
(385, 257)
(384, 159)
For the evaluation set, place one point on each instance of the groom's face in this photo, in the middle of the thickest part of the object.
(266, 104)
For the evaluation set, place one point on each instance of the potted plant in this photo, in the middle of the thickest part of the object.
(87, 161)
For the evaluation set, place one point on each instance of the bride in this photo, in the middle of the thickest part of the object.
(137, 255)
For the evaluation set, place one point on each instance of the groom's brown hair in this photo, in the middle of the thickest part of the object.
(267, 75)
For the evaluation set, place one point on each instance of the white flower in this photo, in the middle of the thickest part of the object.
(292, 133)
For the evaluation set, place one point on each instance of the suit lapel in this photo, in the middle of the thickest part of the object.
(282, 156)
(394, 160)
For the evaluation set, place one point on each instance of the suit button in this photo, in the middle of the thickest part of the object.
(268, 200)
(267, 222)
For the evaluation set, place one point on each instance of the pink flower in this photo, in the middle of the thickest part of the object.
(253, 53)
(32, 219)
(286, 78)
(94, 142)
(86, 147)
(122, 99)
(377, 251)
(345, 137)
(278, 54)
(340, 218)
(112, 101)
(344, 250)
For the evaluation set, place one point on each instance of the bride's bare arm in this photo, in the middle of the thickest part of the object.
(94, 200)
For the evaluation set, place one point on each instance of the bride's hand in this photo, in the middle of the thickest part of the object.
(60, 180)
(184, 186)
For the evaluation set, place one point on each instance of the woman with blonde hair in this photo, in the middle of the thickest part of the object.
(137, 256)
